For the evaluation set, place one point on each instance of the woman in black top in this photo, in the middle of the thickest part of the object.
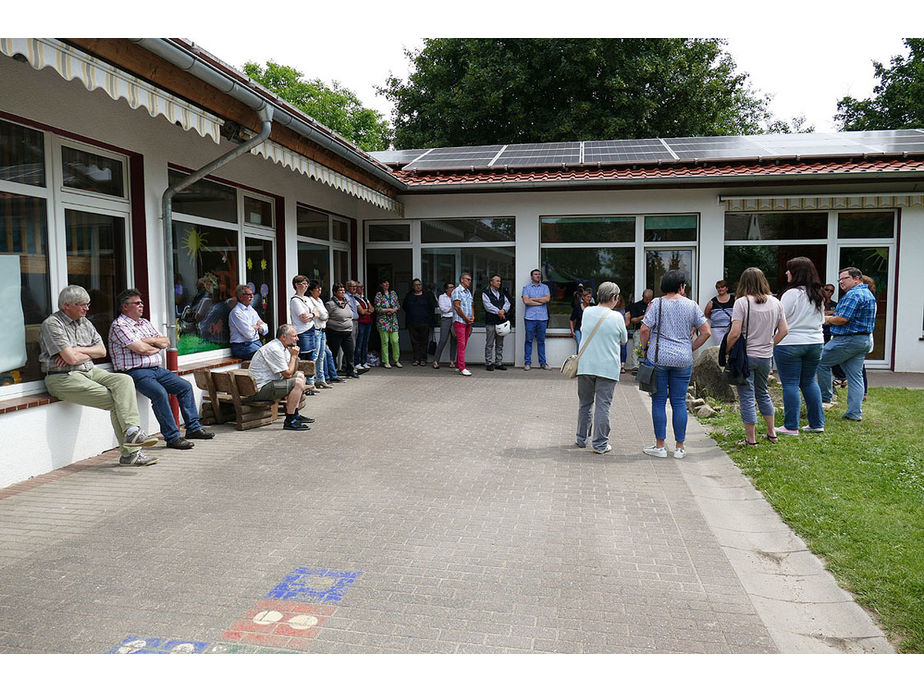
(577, 315)
(419, 308)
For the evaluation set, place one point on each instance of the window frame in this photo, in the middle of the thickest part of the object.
(58, 200)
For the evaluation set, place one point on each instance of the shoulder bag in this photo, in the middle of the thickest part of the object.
(569, 369)
(735, 362)
(646, 377)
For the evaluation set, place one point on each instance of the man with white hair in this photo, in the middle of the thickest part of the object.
(68, 344)
(275, 369)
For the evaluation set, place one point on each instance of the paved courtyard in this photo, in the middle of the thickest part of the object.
(424, 513)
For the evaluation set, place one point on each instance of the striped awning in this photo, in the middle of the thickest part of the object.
(71, 63)
(297, 162)
(780, 203)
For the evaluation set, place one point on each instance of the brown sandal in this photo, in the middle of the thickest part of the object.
(744, 442)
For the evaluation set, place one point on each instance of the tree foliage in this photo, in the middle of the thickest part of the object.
(335, 107)
(898, 99)
(486, 91)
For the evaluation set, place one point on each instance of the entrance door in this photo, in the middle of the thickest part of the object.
(877, 263)
(395, 265)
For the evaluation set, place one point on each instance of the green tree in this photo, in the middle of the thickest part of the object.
(335, 107)
(898, 99)
(486, 91)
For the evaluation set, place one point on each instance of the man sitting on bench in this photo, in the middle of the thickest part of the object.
(69, 343)
(274, 367)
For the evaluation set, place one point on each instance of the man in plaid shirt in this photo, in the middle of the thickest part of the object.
(135, 346)
(851, 330)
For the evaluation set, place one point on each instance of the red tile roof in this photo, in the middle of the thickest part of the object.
(681, 172)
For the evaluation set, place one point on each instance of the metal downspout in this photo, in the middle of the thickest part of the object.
(266, 116)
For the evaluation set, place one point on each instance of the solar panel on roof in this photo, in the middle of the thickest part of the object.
(541, 154)
(554, 154)
(624, 151)
(448, 158)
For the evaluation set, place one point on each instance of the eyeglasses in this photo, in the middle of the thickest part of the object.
(245, 294)
(136, 303)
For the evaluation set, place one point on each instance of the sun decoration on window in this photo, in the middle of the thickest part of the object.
(249, 264)
(263, 264)
(194, 242)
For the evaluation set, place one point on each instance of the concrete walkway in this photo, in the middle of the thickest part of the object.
(424, 512)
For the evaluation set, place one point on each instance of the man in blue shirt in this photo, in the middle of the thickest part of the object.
(246, 325)
(536, 297)
(851, 329)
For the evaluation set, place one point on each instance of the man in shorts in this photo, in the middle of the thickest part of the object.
(275, 368)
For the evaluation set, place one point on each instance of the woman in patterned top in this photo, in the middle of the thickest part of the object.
(669, 324)
(386, 307)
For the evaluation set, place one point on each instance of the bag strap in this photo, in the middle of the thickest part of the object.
(596, 327)
(658, 330)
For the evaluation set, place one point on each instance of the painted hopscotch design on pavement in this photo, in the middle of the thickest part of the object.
(286, 620)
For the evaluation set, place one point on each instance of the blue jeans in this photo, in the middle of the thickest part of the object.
(796, 365)
(849, 351)
(244, 350)
(577, 341)
(307, 341)
(756, 389)
(361, 353)
(331, 366)
(155, 384)
(673, 382)
(320, 356)
(535, 329)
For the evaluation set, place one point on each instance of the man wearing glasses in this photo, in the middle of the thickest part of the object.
(68, 344)
(851, 328)
(135, 347)
(246, 325)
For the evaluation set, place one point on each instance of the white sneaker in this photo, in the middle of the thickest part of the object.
(655, 451)
(465, 371)
(387, 365)
(526, 367)
(398, 364)
(679, 453)
(809, 429)
(604, 450)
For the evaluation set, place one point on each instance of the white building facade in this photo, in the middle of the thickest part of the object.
(90, 143)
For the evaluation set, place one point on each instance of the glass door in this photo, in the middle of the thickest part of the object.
(259, 276)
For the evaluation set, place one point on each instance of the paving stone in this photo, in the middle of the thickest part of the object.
(493, 534)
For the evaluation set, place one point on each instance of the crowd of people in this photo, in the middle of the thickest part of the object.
(803, 332)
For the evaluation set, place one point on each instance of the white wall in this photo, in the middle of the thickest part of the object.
(909, 349)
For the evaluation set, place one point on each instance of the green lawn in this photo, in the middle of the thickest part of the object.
(855, 494)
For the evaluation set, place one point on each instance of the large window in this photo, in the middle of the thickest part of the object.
(323, 247)
(583, 252)
(831, 240)
(65, 218)
(213, 253)
(441, 265)
(768, 241)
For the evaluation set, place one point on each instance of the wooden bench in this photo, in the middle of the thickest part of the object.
(227, 396)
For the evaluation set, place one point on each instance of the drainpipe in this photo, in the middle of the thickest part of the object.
(266, 117)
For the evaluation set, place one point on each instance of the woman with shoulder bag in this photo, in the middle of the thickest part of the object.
(766, 326)
(672, 318)
(320, 324)
(599, 366)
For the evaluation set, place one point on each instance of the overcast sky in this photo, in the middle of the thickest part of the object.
(806, 54)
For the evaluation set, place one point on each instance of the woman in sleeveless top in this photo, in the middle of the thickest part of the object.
(719, 311)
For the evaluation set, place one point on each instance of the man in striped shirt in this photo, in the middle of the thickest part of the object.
(135, 346)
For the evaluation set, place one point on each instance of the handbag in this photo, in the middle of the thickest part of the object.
(569, 369)
(646, 377)
(735, 361)
(431, 347)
